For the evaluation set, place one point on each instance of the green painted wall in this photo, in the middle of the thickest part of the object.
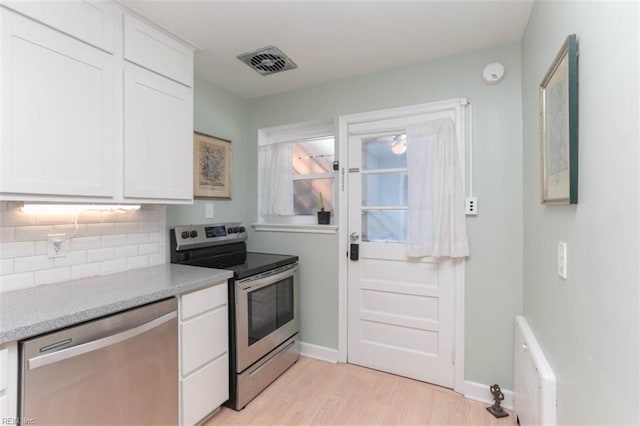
(494, 270)
(219, 113)
(588, 324)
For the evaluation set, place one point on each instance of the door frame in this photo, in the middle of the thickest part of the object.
(343, 221)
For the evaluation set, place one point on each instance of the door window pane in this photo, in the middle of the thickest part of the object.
(385, 189)
(306, 195)
(378, 153)
(314, 156)
(384, 226)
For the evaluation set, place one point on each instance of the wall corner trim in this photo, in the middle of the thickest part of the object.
(319, 352)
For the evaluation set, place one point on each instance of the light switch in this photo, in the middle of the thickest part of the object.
(208, 210)
(562, 259)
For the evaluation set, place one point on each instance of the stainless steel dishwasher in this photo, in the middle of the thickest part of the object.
(117, 370)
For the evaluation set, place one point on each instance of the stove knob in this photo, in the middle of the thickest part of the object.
(235, 230)
(185, 235)
(229, 230)
(193, 234)
(241, 229)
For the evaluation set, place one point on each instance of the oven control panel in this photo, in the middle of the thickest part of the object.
(192, 236)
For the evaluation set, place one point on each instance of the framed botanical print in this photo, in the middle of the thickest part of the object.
(211, 166)
(559, 127)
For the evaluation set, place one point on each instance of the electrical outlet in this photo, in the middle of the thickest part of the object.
(471, 206)
(562, 260)
(56, 245)
(208, 210)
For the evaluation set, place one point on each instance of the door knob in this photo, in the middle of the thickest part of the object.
(354, 236)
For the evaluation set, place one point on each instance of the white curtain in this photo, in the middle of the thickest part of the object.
(276, 183)
(436, 222)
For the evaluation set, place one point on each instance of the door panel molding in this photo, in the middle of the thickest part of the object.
(458, 269)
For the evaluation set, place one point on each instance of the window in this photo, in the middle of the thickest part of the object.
(295, 172)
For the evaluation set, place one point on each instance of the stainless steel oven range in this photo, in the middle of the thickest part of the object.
(263, 303)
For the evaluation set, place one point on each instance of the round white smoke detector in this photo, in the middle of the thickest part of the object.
(493, 73)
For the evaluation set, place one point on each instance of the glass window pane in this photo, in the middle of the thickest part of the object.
(306, 195)
(387, 189)
(384, 152)
(315, 156)
(384, 226)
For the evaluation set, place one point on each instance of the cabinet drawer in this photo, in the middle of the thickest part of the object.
(204, 339)
(200, 301)
(154, 50)
(4, 407)
(205, 391)
(89, 21)
(4, 369)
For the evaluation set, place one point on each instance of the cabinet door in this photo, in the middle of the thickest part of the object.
(57, 112)
(158, 137)
(91, 21)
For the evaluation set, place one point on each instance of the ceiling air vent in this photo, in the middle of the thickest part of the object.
(268, 60)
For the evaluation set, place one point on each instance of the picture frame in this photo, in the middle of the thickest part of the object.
(559, 127)
(211, 166)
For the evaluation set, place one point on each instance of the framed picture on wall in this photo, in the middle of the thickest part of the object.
(211, 166)
(559, 127)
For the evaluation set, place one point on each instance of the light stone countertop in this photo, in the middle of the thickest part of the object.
(37, 310)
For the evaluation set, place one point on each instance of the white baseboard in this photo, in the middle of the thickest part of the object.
(319, 352)
(480, 392)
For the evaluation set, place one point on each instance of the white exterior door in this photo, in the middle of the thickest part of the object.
(401, 311)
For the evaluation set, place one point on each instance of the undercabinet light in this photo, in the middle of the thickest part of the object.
(75, 208)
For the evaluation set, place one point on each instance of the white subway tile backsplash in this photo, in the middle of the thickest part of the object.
(6, 266)
(113, 240)
(54, 275)
(149, 248)
(126, 251)
(113, 266)
(98, 255)
(126, 227)
(32, 263)
(84, 271)
(32, 233)
(16, 218)
(17, 249)
(85, 243)
(71, 258)
(139, 238)
(6, 234)
(137, 262)
(101, 229)
(106, 242)
(71, 229)
(16, 281)
(149, 226)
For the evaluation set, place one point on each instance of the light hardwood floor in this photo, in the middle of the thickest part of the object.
(322, 393)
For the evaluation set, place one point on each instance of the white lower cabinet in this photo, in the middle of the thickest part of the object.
(8, 383)
(204, 353)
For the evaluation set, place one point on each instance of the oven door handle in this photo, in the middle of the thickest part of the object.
(263, 280)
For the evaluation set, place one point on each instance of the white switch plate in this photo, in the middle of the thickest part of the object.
(471, 206)
(208, 210)
(562, 259)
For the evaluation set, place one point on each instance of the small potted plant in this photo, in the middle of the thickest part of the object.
(324, 217)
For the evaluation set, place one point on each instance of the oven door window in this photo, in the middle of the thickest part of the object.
(270, 308)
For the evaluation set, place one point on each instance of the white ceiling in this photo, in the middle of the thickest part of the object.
(331, 40)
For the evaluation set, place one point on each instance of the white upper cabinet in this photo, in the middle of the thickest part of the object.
(158, 136)
(154, 50)
(89, 21)
(58, 112)
(95, 105)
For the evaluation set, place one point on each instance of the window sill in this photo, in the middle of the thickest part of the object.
(289, 227)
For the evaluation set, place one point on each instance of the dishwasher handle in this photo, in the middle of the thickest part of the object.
(74, 351)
